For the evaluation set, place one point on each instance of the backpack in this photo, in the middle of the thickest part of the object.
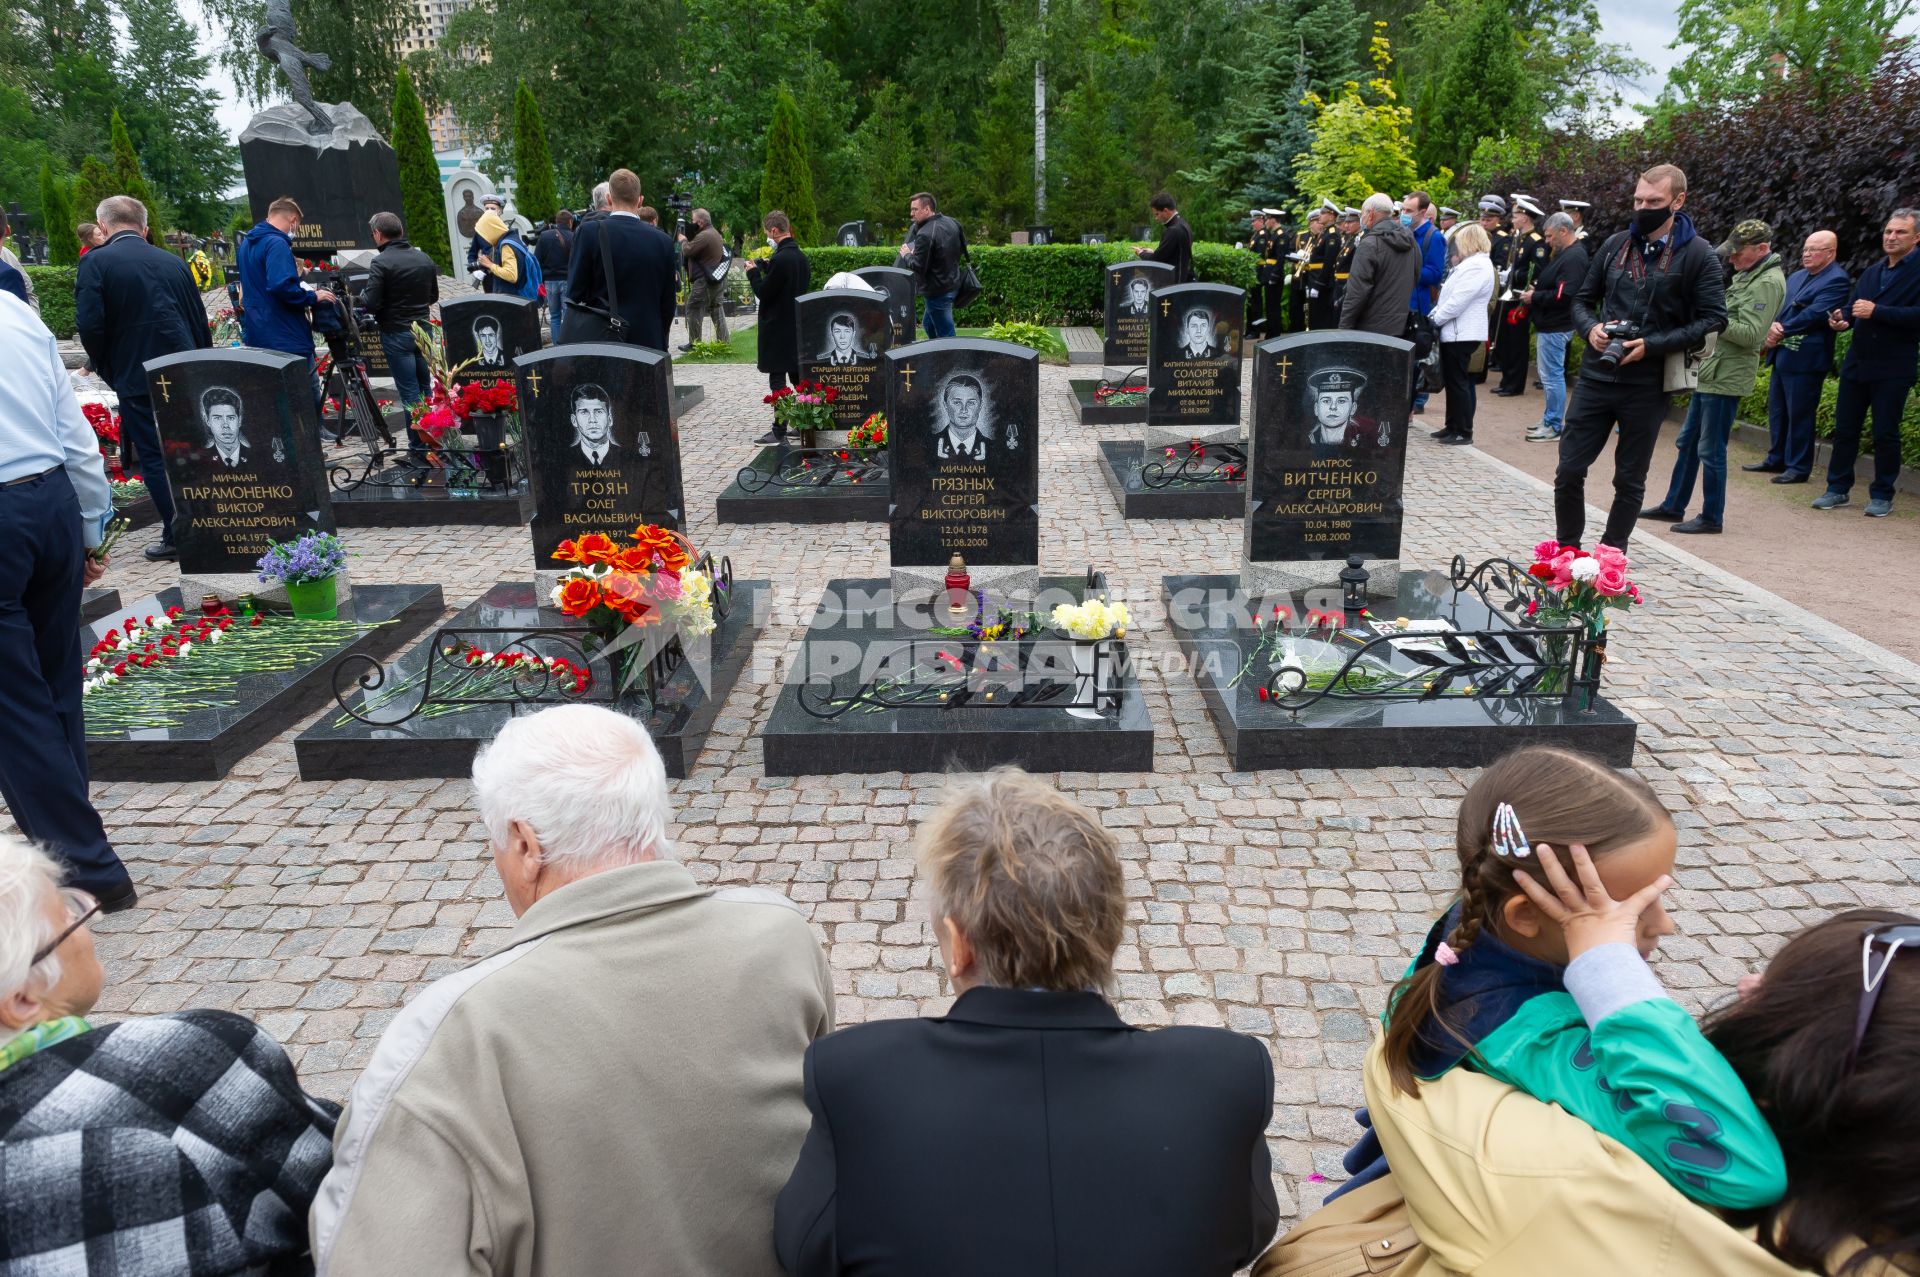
(530, 273)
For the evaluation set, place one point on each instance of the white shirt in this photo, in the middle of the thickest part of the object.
(40, 422)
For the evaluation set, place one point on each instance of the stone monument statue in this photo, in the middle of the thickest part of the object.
(276, 41)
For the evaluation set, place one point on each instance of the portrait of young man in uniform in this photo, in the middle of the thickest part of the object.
(486, 339)
(592, 417)
(843, 342)
(1196, 335)
(1138, 296)
(963, 425)
(220, 413)
(1337, 423)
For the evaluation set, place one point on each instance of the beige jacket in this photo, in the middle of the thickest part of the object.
(617, 1091)
(1501, 1185)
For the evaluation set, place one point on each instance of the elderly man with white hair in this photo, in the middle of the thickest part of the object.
(619, 1087)
(1386, 266)
(178, 1144)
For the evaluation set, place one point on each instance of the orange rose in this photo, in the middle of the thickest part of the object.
(596, 547)
(635, 558)
(628, 595)
(578, 596)
(568, 553)
(669, 548)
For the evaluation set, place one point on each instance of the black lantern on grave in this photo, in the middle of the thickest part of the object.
(1353, 588)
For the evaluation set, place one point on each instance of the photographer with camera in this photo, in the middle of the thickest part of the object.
(1654, 292)
(704, 255)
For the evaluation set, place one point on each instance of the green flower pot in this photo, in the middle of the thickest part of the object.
(314, 600)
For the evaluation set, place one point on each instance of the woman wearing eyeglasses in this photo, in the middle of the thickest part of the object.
(169, 1144)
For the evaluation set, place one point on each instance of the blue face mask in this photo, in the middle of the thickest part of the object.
(1406, 219)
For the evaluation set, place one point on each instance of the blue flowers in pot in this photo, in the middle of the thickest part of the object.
(309, 567)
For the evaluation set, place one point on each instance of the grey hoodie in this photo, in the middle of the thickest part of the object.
(1386, 266)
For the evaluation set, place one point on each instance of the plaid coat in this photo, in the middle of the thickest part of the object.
(174, 1144)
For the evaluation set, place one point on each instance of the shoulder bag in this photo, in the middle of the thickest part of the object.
(586, 323)
(1683, 366)
(1365, 1231)
(968, 286)
(717, 274)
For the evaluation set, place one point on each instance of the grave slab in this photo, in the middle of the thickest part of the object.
(807, 485)
(1187, 485)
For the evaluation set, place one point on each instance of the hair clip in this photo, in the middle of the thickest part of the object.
(1446, 955)
(1508, 838)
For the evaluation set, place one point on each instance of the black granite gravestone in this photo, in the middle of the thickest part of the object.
(492, 330)
(601, 442)
(897, 284)
(242, 444)
(339, 180)
(1330, 417)
(843, 333)
(1129, 299)
(851, 235)
(1193, 367)
(964, 416)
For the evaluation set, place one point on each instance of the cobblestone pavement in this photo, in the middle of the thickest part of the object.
(1281, 904)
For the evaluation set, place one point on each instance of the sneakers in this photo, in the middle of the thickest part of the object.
(1879, 508)
(1660, 514)
(1829, 500)
(1541, 433)
(1456, 440)
(1698, 523)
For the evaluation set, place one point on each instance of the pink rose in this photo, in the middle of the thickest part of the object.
(1611, 582)
(1609, 557)
(1544, 552)
(1562, 565)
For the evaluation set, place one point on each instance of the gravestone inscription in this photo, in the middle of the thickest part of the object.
(1330, 417)
(964, 416)
(490, 330)
(242, 444)
(602, 446)
(843, 333)
(1130, 288)
(1193, 367)
(897, 284)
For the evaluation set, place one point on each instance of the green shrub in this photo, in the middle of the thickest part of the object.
(1033, 336)
(706, 352)
(54, 285)
(1753, 411)
(1049, 284)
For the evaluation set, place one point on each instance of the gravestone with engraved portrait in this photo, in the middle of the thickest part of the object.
(1329, 442)
(897, 284)
(242, 445)
(602, 446)
(1193, 364)
(1129, 290)
(843, 333)
(491, 330)
(963, 453)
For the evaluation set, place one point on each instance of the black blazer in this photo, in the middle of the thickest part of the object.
(642, 273)
(1176, 249)
(133, 302)
(776, 282)
(1027, 1132)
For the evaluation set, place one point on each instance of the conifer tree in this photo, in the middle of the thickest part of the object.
(787, 183)
(1484, 92)
(63, 246)
(533, 192)
(423, 203)
(125, 168)
(95, 183)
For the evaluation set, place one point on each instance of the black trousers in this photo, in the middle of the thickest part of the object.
(43, 735)
(1592, 413)
(136, 423)
(1462, 395)
(1510, 350)
(1297, 307)
(1256, 304)
(1886, 399)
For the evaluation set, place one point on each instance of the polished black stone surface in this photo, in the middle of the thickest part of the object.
(686, 399)
(964, 440)
(340, 747)
(858, 630)
(1124, 463)
(337, 187)
(898, 285)
(1089, 411)
(1330, 417)
(843, 334)
(492, 330)
(242, 442)
(813, 486)
(1210, 616)
(430, 504)
(1193, 364)
(211, 741)
(1129, 304)
(601, 442)
(97, 603)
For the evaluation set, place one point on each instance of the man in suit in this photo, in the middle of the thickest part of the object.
(1800, 345)
(776, 282)
(1176, 239)
(1882, 361)
(1070, 1139)
(963, 428)
(1139, 296)
(1196, 335)
(643, 266)
(843, 342)
(593, 425)
(220, 413)
(132, 303)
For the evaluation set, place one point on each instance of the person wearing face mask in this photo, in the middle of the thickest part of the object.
(1654, 290)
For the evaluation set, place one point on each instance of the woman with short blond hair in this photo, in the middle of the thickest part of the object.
(1058, 1128)
(1461, 317)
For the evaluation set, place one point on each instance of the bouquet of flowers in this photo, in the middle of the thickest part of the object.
(486, 400)
(128, 490)
(311, 557)
(804, 408)
(106, 428)
(1092, 620)
(616, 588)
(870, 435)
(1582, 585)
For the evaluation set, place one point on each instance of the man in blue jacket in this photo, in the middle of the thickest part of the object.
(1416, 212)
(1882, 363)
(1800, 345)
(276, 303)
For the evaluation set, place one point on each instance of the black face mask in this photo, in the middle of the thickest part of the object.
(1648, 220)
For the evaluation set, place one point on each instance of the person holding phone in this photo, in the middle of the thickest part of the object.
(1882, 362)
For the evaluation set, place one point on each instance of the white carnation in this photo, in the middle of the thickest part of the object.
(1584, 569)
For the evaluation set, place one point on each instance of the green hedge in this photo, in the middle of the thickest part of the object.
(54, 286)
(1052, 284)
(1753, 411)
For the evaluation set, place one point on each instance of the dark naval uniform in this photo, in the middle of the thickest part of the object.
(1526, 254)
(1260, 244)
(1323, 254)
(1342, 267)
(1273, 272)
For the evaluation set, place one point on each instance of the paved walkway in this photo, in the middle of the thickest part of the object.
(1281, 904)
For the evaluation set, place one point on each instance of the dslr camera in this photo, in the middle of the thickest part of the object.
(1620, 330)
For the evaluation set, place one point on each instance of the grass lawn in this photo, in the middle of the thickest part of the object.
(744, 348)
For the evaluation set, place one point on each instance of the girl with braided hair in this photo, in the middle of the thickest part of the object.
(1540, 979)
